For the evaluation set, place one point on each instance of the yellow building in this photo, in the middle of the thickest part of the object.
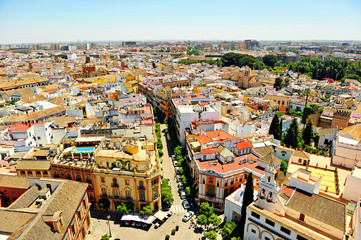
(128, 170)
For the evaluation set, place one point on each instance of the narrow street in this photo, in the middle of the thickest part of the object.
(169, 172)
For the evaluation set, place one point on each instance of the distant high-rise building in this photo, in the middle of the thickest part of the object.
(251, 44)
(55, 46)
(129, 44)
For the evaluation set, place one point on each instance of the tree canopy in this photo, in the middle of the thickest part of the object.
(275, 127)
(291, 136)
(270, 60)
(333, 68)
(211, 235)
(214, 220)
(308, 132)
(228, 229)
(239, 60)
(206, 209)
(146, 210)
(202, 219)
(167, 195)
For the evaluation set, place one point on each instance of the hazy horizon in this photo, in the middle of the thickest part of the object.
(41, 21)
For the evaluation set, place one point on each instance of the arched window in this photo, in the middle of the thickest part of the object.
(141, 184)
(269, 179)
(38, 173)
(146, 166)
(22, 172)
(88, 179)
(108, 165)
(30, 172)
(263, 194)
(68, 176)
(78, 178)
(56, 175)
(269, 199)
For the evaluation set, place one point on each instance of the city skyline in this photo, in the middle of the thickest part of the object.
(47, 22)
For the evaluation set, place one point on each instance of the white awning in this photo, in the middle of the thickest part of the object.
(160, 215)
(137, 218)
(89, 139)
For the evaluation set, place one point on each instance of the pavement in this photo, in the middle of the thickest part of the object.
(100, 227)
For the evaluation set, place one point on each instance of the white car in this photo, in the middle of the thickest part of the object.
(187, 216)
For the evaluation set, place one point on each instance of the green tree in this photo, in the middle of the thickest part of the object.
(228, 229)
(278, 83)
(122, 208)
(283, 169)
(202, 219)
(291, 136)
(105, 237)
(270, 60)
(259, 65)
(104, 203)
(167, 195)
(211, 235)
(146, 210)
(214, 220)
(206, 209)
(247, 198)
(351, 76)
(275, 128)
(308, 133)
(188, 192)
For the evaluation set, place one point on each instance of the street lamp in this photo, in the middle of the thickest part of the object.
(110, 233)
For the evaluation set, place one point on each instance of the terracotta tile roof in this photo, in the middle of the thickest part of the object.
(33, 165)
(221, 136)
(244, 145)
(203, 139)
(224, 168)
(209, 150)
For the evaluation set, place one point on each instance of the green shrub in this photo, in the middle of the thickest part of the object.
(177, 227)
(173, 231)
(167, 237)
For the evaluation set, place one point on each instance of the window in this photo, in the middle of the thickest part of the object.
(68, 176)
(301, 238)
(256, 215)
(269, 222)
(30, 173)
(141, 196)
(232, 181)
(127, 193)
(56, 175)
(88, 179)
(78, 178)
(141, 167)
(299, 160)
(116, 193)
(45, 173)
(104, 191)
(102, 180)
(141, 184)
(253, 231)
(155, 194)
(22, 172)
(126, 181)
(217, 183)
(225, 183)
(285, 230)
(210, 180)
(115, 182)
(38, 138)
(263, 194)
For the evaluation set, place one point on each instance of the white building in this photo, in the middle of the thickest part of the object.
(295, 212)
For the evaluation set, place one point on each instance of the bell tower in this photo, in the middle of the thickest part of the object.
(268, 190)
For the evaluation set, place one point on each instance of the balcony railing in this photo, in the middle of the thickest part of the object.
(115, 185)
(141, 188)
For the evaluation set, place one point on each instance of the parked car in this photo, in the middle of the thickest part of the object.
(182, 194)
(175, 163)
(181, 186)
(187, 216)
(173, 158)
(176, 170)
(185, 204)
(179, 178)
(170, 186)
(170, 213)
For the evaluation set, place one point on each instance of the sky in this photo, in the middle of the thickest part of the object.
(40, 21)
